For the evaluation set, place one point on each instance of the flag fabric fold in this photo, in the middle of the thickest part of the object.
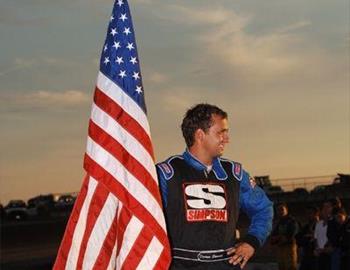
(117, 221)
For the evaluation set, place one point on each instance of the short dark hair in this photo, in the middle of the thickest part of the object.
(199, 117)
(314, 209)
(341, 211)
(282, 204)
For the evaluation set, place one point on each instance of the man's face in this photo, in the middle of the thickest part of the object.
(327, 209)
(282, 211)
(340, 218)
(312, 214)
(216, 137)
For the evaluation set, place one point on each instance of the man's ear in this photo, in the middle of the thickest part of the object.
(198, 135)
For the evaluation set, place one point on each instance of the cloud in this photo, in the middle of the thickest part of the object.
(157, 77)
(18, 64)
(202, 15)
(68, 97)
(143, 1)
(294, 26)
(13, 17)
(266, 56)
(221, 34)
(44, 99)
(31, 63)
(224, 42)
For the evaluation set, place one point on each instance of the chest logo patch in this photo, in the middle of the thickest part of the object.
(205, 202)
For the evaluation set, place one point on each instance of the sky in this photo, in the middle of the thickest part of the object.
(279, 68)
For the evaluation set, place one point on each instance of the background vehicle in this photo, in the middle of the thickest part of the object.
(16, 210)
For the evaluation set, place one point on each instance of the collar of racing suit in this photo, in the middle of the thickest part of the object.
(198, 165)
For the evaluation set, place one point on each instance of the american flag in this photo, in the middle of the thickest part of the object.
(117, 221)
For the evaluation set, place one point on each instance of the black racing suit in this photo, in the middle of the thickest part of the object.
(202, 207)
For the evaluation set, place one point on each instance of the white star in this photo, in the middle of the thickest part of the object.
(122, 73)
(114, 32)
(136, 76)
(106, 61)
(133, 60)
(105, 48)
(116, 45)
(120, 3)
(127, 30)
(123, 17)
(119, 60)
(112, 18)
(138, 89)
(130, 46)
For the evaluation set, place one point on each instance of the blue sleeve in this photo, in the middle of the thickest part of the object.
(163, 186)
(254, 202)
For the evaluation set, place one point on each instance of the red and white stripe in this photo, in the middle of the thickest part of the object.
(117, 221)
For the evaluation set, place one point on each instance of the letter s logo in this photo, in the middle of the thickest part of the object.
(204, 196)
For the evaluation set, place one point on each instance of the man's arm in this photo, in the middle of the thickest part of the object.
(254, 202)
(163, 177)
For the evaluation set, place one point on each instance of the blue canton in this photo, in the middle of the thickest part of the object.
(119, 59)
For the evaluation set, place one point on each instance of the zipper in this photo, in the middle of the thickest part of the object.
(205, 173)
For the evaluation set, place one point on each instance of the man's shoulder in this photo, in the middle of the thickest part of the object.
(170, 160)
(166, 167)
(234, 166)
(229, 161)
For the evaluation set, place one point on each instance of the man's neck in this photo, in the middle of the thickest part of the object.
(201, 156)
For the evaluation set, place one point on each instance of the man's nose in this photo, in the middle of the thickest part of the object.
(226, 138)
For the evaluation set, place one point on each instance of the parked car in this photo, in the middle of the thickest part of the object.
(263, 181)
(319, 189)
(273, 190)
(16, 210)
(2, 212)
(65, 202)
(41, 205)
(342, 179)
(302, 192)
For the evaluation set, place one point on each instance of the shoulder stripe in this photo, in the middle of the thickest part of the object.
(237, 169)
(166, 168)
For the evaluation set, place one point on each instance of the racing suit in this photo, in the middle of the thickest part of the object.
(202, 207)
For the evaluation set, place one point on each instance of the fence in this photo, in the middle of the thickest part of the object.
(310, 182)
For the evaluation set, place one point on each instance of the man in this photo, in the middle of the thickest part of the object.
(202, 194)
(306, 241)
(344, 239)
(333, 228)
(322, 248)
(283, 236)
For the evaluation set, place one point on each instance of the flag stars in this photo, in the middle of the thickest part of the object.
(123, 17)
(122, 73)
(105, 48)
(138, 89)
(133, 60)
(116, 45)
(112, 18)
(119, 60)
(106, 61)
(114, 32)
(120, 3)
(127, 30)
(130, 46)
(136, 76)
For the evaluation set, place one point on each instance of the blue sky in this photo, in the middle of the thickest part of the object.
(279, 68)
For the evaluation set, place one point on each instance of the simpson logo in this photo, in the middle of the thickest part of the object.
(205, 202)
